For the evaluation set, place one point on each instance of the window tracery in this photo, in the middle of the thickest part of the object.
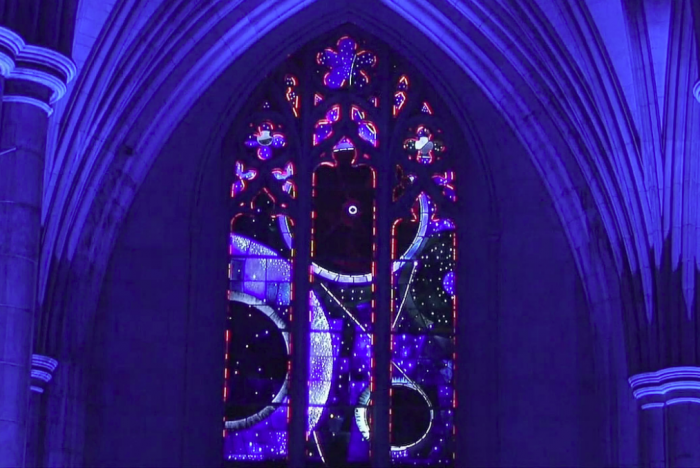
(364, 104)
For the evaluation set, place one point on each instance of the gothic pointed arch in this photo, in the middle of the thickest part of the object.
(344, 151)
(107, 148)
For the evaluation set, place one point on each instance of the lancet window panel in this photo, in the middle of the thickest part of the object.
(356, 114)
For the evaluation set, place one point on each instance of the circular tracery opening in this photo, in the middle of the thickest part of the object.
(258, 363)
(412, 404)
(412, 407)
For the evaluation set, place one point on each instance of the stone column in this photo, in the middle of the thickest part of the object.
(670, 420)
(34, 78)
(651, 435)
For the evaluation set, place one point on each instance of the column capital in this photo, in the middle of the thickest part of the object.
(42, 372)
(39, 67)
(666, 387)
(11, 45)
(696, 90)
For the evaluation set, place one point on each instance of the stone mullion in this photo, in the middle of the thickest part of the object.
(301, 269)
(381, 441)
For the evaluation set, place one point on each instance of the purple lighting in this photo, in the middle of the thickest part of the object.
(261, 278)
(347, 65)
(324, 127)
(365, 128)
(265, 139)
(342, 130)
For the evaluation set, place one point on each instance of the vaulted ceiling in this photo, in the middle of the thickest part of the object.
(599, 92)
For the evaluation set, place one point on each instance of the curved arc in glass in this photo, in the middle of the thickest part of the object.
(391, 131)
(281, 396)
(264, 435)
(424, 217)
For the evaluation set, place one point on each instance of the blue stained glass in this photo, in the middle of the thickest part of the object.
(322, 354)
(341, 307)
(265, 139)
(400, 95)
(399, 100)
(368, 132)
(365, 128)
(333, 114)
(262, 275)
(242, 176)
(347, 65)
(422, 356)
(424, 147)
(356, 114)
(285, 173)
(290, 82)
(446, 181)
(323, 131)
(324, 127)
(448, 282)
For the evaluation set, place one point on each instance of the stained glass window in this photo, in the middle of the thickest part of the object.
(353, 113)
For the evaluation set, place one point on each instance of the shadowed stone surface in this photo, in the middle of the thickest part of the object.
(579, 249)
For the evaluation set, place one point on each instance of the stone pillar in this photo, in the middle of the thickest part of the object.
(34, 78)
(301, 277)
(381, 352)
(651, 435)
(670, 420)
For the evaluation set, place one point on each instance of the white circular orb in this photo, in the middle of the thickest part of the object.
(363, 403)
(352, 209)
(265, 138)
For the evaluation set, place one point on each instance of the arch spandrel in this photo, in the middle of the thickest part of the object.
(151, 122)
(146, 123)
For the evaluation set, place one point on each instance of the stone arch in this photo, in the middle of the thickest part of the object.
(142, 107)
(106, 141)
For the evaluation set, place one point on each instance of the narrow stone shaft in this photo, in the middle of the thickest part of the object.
(22, 146)
(652, 436)
(33, 78)
(684, 432)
